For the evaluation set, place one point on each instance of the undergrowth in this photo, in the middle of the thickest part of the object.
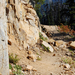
(41, 37)
(18, 70)
(13, 58)
(66, 29)
(69, 61)
(45, 48)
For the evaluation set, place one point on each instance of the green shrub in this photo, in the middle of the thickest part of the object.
(18, 70)
(45, 48)
(41, 37)
(13, 59)
(38, 58)
(69, 61)
(37, 53)
(10, 66)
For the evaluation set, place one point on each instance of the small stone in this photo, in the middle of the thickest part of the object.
(37, 50)
(53, 54)
(28, 68)
(30, 52)
(53, 74)
(28, 47)
(20, 48)
(34, 69)
(68, 54)
(0, 74)
(72, 45)
(9, 42)
(32, 56)
(51, 41)
(59, 43)
(10, 71)
(66, 66)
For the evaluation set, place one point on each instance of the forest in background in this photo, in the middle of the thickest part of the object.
(56, 12)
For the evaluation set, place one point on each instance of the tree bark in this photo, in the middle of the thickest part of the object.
(4, 63)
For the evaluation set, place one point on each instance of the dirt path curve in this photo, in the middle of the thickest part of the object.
(56, 35)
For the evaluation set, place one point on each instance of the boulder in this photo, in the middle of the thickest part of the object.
(47, 45)
(72, 45)
(59, 43)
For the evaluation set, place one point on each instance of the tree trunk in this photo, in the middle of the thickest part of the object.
(4, 63)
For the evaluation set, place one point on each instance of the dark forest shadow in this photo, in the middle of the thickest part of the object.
(63, 36)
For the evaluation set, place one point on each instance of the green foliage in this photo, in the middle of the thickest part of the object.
(38, 4)
(38, 58)
(37, 53)
(41, 37)
(45, 48)
(17, 67)
(10, 66)
(37, 7)
(70, 50)
(69, 61)
(13, 59)
(71, 10)
(59, 20)
(39, 1)
(18, 70)
(50, 16)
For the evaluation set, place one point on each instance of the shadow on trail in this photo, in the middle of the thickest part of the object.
(62, 36)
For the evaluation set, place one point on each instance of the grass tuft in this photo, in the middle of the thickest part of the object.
(13, 59)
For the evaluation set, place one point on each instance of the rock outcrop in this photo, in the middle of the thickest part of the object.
(4, 64)
(23, 23)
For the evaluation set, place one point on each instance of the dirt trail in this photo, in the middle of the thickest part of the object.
(56, 35)
(49, 63)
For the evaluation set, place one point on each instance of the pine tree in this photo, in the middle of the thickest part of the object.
(59, 20)
(71, 10)
(51, 15)
(38, 3)
(37, 7)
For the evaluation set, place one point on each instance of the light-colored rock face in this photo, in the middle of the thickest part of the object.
(22, 23)
(4, 64)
